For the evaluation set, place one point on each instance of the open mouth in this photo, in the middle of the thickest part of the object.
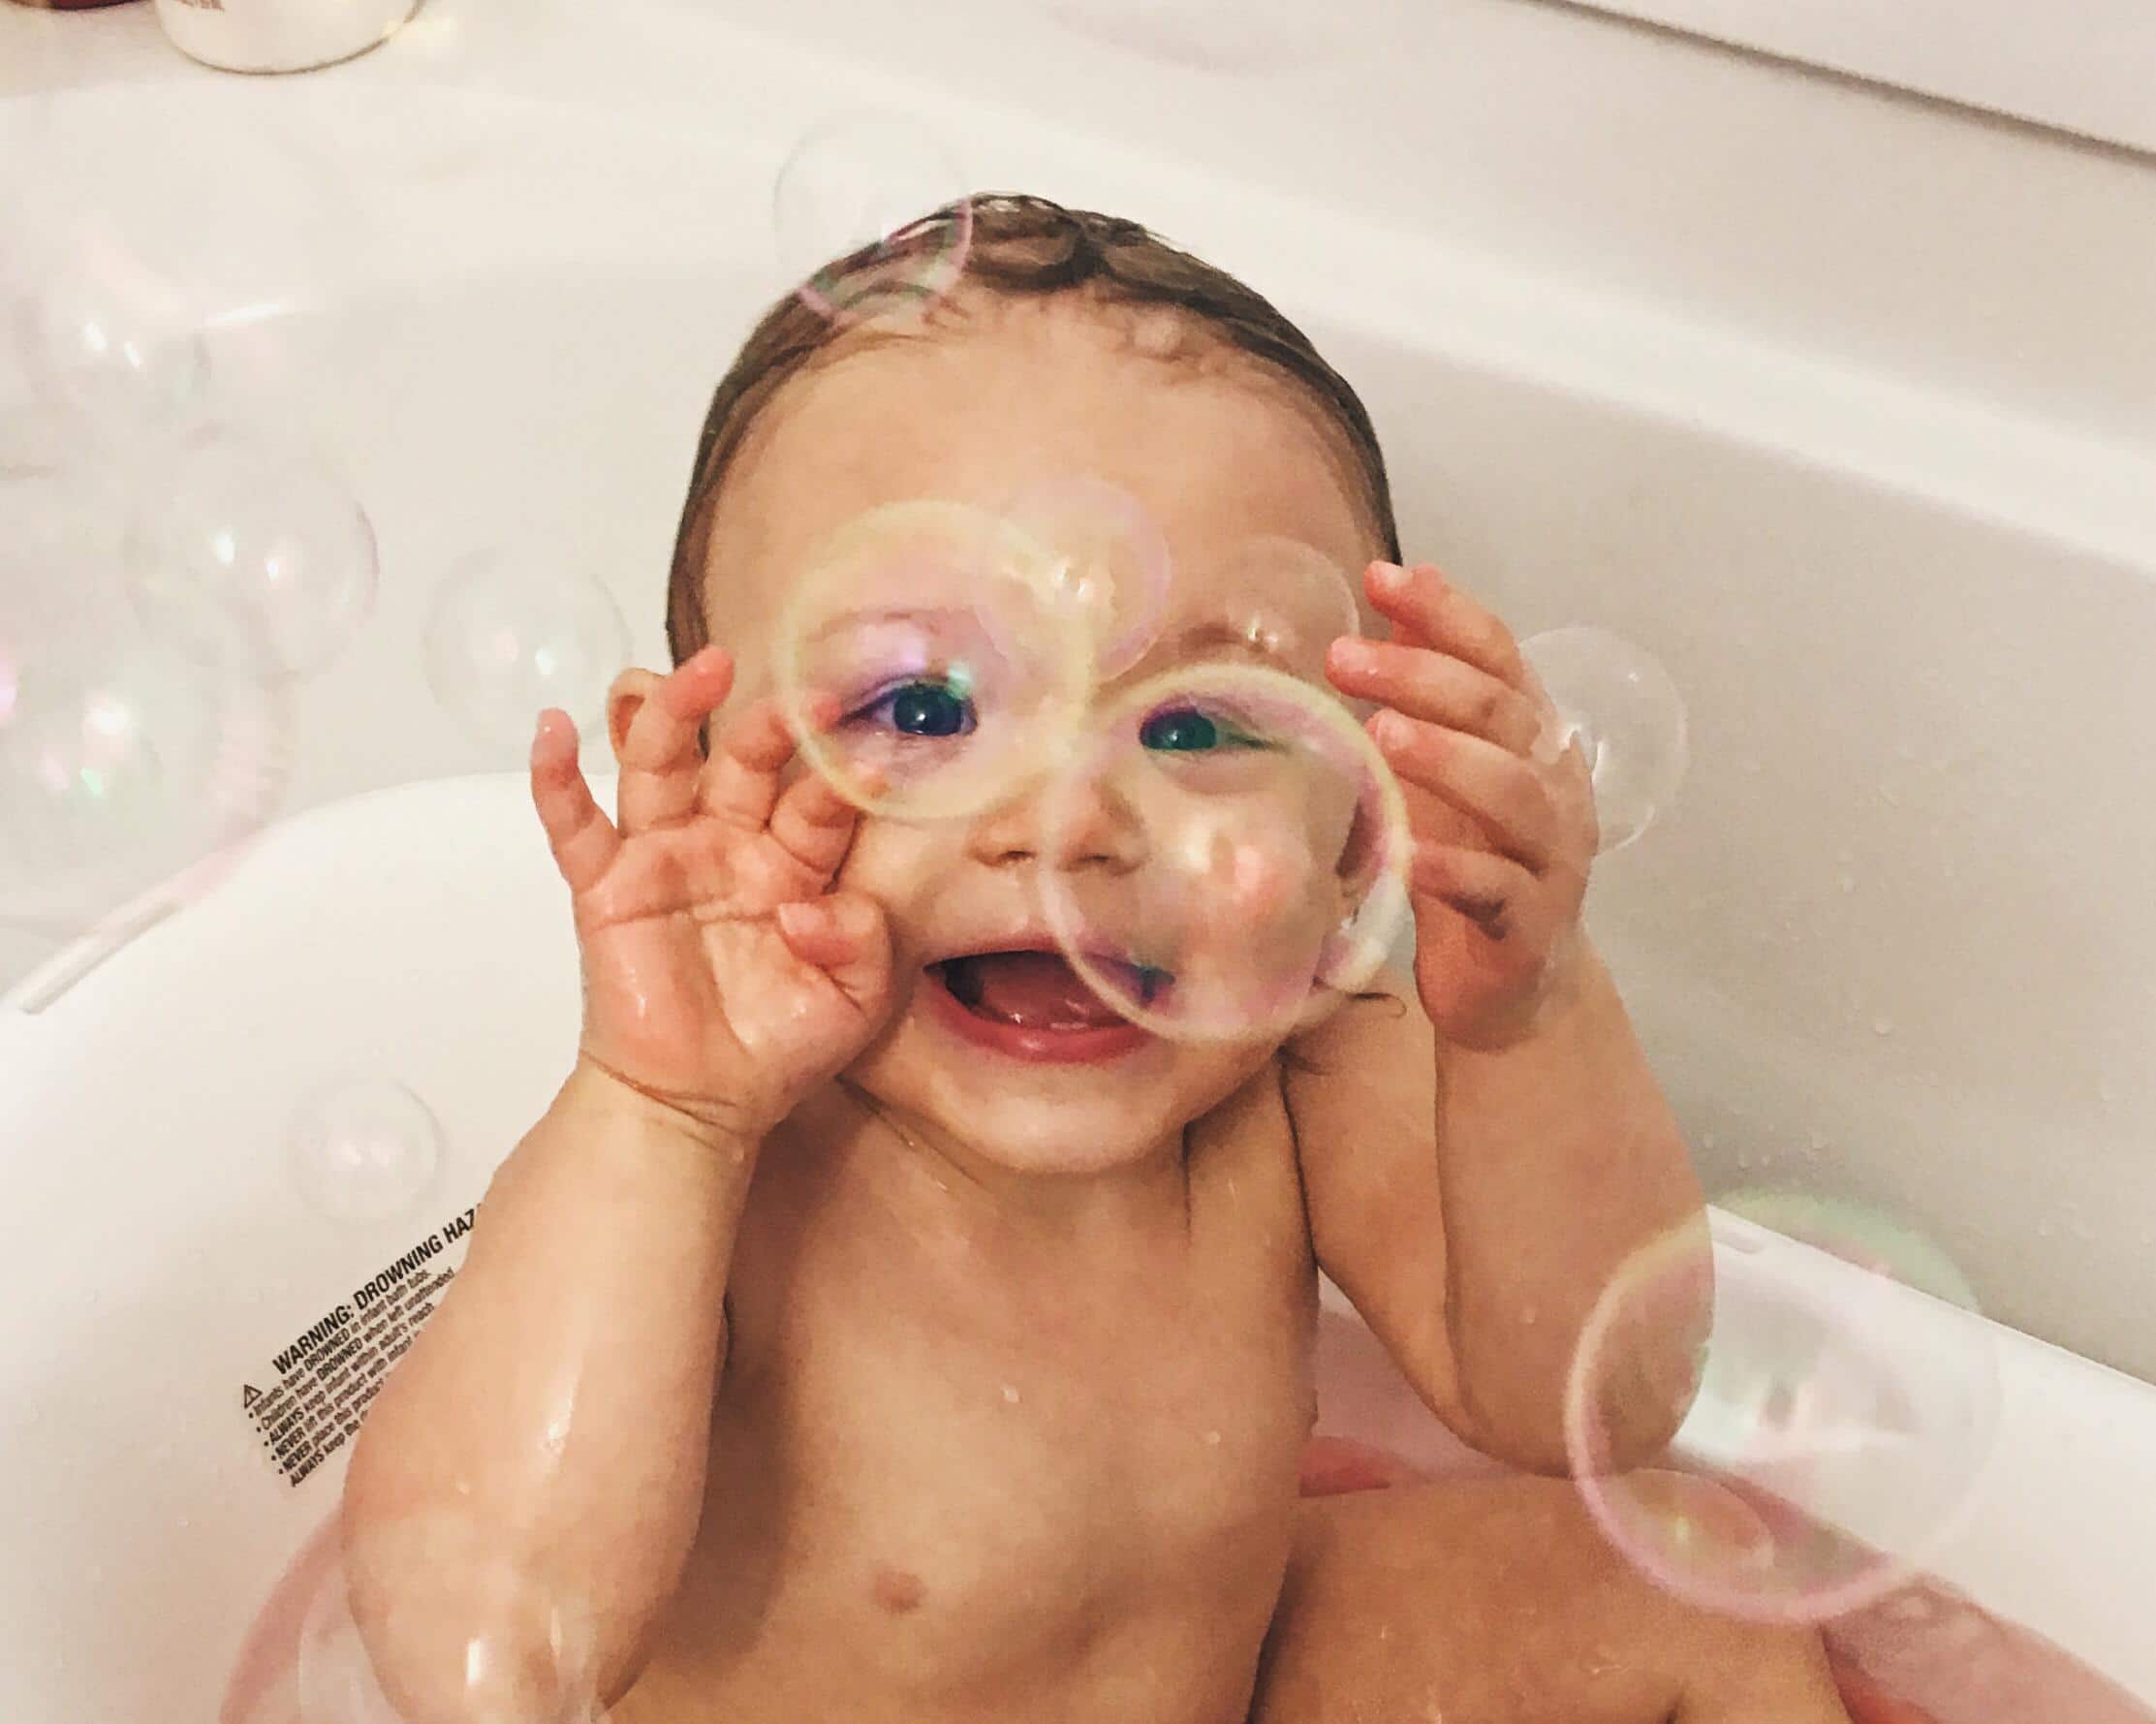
(1041, 991)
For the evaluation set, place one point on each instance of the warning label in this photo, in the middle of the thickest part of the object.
(325, 1379)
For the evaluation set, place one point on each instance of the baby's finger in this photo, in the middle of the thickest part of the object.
(583, 838)
(1484, 888)
(660, 757)
(1426, 684)
(1426, 610)
(1503, 791)
(814, 824)
(748, 759)
(845, 936)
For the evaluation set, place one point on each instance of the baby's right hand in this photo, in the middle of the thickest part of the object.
(722, 976)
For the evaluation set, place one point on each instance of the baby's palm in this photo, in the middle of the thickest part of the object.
(721, 972)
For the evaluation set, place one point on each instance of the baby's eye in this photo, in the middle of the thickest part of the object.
(921, 706)
(1187, 730)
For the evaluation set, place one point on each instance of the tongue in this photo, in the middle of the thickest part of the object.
(1032, 989)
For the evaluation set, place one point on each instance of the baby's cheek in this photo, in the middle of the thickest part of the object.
(903, 867)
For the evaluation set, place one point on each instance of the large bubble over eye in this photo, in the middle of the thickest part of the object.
(1109, 561)
(127, 768)
(1224, 854)
(230, 525)
(509, 637)
(475, 1635)
(865, 188)
(925, 664)
(1844, 1413)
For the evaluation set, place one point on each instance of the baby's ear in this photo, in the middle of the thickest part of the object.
(624, 701)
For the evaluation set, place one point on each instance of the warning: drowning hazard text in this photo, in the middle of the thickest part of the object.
(331, 1369)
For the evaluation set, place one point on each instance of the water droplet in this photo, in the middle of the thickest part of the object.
(1010, 1394)
(1848, 883)
(1212, 1438)
(1882, 1026)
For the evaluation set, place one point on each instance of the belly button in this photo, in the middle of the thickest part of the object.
(898, 1590)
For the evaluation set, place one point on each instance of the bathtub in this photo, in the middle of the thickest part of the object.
(496, 345)
(166, 1273)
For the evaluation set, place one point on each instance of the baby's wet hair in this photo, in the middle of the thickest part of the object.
(1175, 310)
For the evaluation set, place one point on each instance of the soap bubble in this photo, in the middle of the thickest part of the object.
(1111, 562)
(479, 1636)
(1628, 717)
(126, 768)
(111, 341)
(877, 196)
(1227, 854)
(1844, 1413)
(938, 635)
(146, 287)
(364, 1150)
(233, 527)
(1283, 598)
(509, 637)
(1245, 36)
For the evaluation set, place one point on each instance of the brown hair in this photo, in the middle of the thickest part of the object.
(1012, 245)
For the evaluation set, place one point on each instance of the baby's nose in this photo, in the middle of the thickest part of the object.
(1068, 826)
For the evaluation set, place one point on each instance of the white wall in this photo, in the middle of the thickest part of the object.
(1847, 404)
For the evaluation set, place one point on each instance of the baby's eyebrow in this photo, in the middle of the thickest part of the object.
(1219, 634)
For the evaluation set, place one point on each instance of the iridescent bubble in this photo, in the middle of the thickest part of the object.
(475, 1634)
(1844, 1413)
(126, 768)
(364, 1150)
(509, 638)
(108, 338)
(233, 527)
(1283, 598)
(1224, 855)
(932, 636)
(1111, 562)
(872, 217)
(1618, 703)
(145, 292)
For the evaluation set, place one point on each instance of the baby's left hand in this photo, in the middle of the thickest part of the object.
(1504, 834)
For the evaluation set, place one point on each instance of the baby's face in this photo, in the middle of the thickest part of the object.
(1033, 396)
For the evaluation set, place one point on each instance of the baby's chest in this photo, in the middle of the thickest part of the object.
(970, 1476)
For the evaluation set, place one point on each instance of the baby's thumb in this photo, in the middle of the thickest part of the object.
(843, 934)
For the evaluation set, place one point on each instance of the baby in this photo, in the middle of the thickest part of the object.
(873, 1328)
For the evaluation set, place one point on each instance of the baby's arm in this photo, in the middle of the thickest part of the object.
(556, 1409)
(1481, 1167)
(1474, 1205)
(531, 1477)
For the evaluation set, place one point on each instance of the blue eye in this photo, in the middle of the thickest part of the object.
(922, 707)
(1185, 730)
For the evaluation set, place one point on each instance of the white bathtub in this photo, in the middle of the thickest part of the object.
(547, 244)
(160, 1257)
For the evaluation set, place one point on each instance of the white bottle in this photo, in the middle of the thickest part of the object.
(279, 34)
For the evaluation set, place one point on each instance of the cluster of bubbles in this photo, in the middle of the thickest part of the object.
(174, 562)
(1841, 1421)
